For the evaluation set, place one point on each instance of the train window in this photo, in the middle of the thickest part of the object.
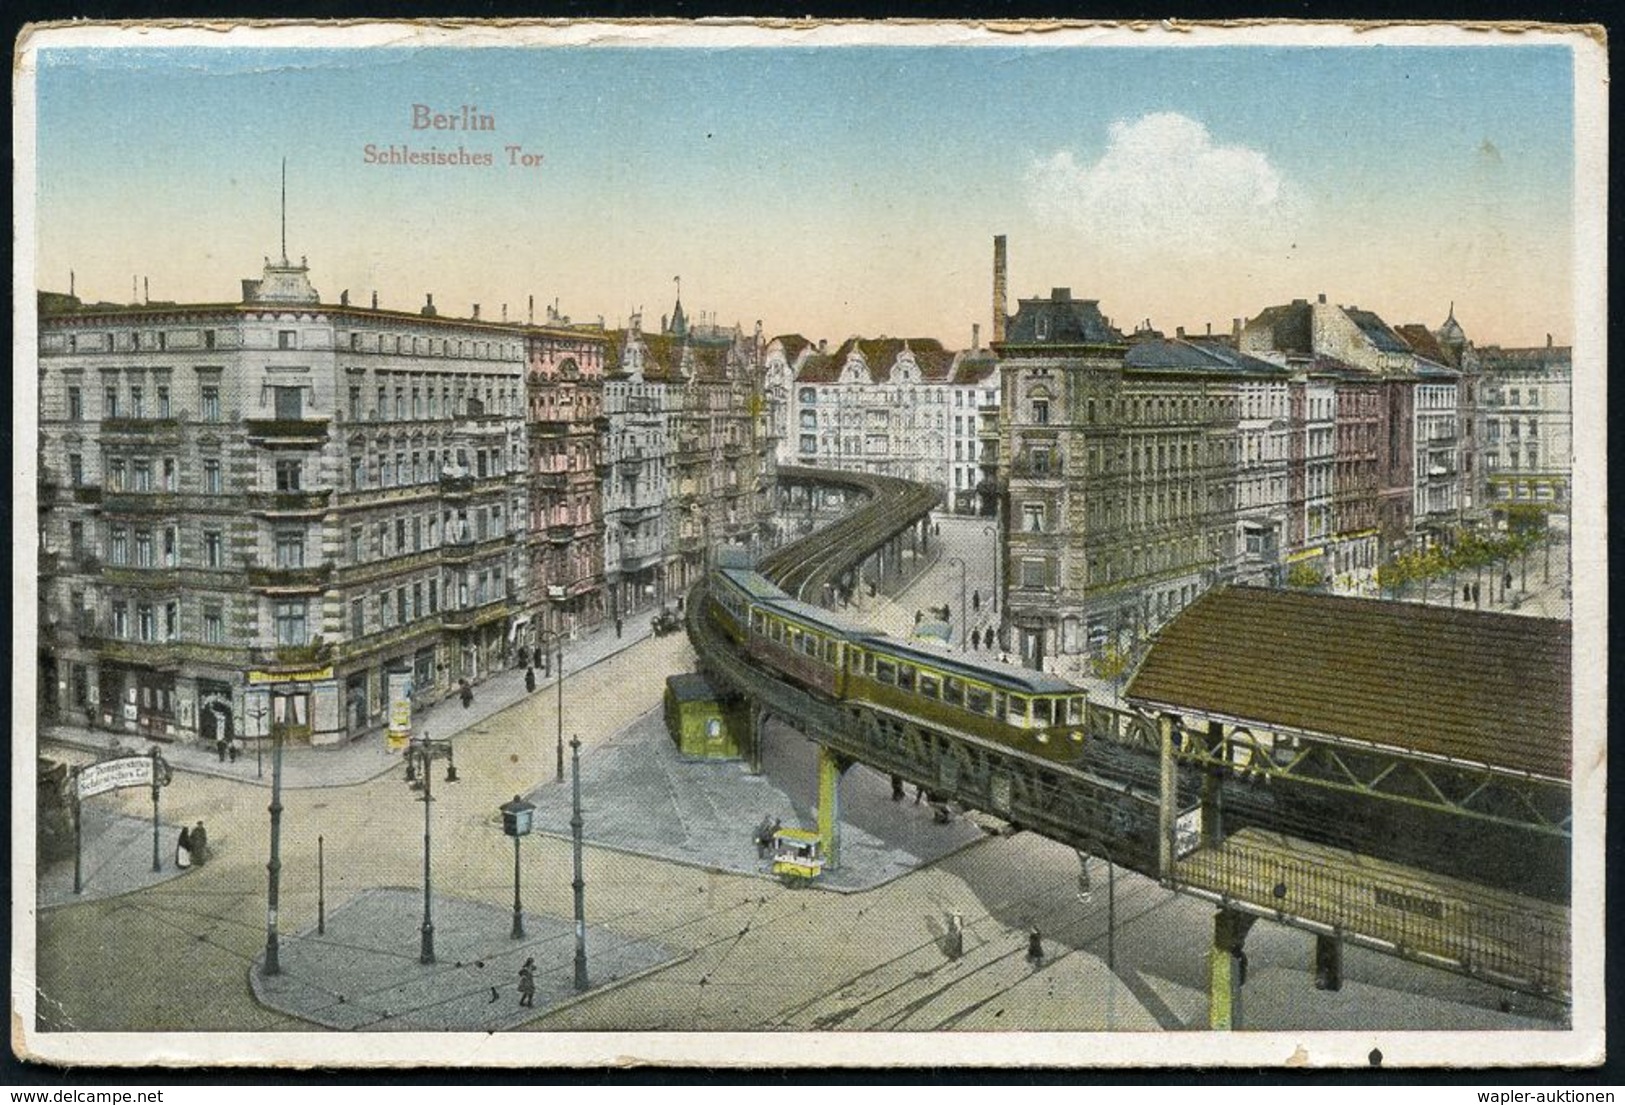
(998, 703)
(758, 622)
(885, 671)
(809, 645)
(829, 653)
(978, 700)
(1018, 711)
(928, 685)
(1041, 712)
(854, 659)
(869, 663)
(953, 691)
(905, 677)
(1074, 710)
(776, 631)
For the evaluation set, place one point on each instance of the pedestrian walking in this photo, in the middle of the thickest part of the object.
(919, 792)
(1466, 592)
(183, 849)
(467, 693)
(896, 788)
(527, 984)
(233, 749)
(198, 844)
(976, 600)
(530, 680)
(1478, 590)
(220, 747)
(617, 629)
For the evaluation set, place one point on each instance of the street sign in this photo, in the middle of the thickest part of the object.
(99, 778)
(313, 675)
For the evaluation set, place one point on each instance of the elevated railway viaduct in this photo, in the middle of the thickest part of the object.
(1381, 843)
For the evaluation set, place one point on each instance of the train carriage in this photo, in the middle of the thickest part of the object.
(1023, 709)
(734, 591)
(804, 641)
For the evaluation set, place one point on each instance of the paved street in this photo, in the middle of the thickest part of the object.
(117, 858)
(752, 954)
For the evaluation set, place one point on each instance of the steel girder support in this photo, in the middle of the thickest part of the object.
(1227, 969)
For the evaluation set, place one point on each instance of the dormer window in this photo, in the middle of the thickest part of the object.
(1043, 327)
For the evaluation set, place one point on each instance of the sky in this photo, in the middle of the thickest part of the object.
(829, 191)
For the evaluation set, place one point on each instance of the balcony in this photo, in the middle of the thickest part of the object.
(143, 575)
(472, 617)
(140, 502)
(286, 580)
(462, 552)
(87, 495)
(146, 429)
(159, 655)
(289, 503)
(638, 555)
(293, 658)
(550, 481)
(561, 534)
(301, 432)
(456, 486)
(1025, 469)
(733, 450)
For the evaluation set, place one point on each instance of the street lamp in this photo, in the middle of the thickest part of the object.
(961, 563)
(279, 706)
(578, 884)
(993, 532)
(420, 753)
(516, 820)
(554, 642)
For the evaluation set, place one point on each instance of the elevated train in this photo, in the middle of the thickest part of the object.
(1047, 717)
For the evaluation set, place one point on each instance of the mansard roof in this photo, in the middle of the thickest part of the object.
(881, 354)
(1063, 320)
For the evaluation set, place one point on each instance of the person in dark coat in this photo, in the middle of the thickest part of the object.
(617, 629)
(183, 849)
(530, 679)
(220, 747)
(467, 694)
(198, 844)
(527, 983)
(976, 600)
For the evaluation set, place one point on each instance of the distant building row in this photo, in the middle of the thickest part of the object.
(286, 492)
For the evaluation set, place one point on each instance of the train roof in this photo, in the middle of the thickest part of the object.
(752, 582)
(824, 619)
(933, 630)
(1007, 676)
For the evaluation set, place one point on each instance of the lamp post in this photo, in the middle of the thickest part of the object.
(554, 642)
(993, 532)
(516, 822)
(961, 563)
(273, 964)
(578, 884)
(420, 753)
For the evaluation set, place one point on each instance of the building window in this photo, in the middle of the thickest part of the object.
(138, 407)
(1035, 573)
(358, 618)
(290, 623)
(76, 405)
(214, 625)
(211, 403)
(141, 475)
(121, 620)
(290, 403)
(287, 475)
(208, 339)
(290, 548)
(355, 401)
(76, 470)
(146, 626)
(211, 476)
(163, 400)
(172, 620)
(213, 549)
(286, 339)
(76, 538)
(119, 546)
(1041, 411)
(143, 548)
(1032, 517)
(110, 403)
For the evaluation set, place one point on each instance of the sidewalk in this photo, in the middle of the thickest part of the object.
(366, 757)
(117, 858)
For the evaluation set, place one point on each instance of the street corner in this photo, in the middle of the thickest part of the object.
(365, 970)
(117, 857)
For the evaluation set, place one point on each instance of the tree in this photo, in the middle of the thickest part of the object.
(1305, 576)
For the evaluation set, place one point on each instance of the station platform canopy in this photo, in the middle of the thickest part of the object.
(1463, 685)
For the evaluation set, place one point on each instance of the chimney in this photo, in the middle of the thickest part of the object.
(1235, 328)
(375, 300)
(70, 282)
(531, 311)
(428, 310)
(1179, 332)
(1210, 329)
(999, 287)
(344, 298)
(976, 337)
(822, 343)
(146, 296)
(1323, 297)
(1060, 295)
(1548, 341)
(476, 312)
(504, 312)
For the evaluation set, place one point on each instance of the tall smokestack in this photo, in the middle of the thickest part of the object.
(999, 297)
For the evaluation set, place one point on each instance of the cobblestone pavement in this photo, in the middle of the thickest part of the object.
(365, 974)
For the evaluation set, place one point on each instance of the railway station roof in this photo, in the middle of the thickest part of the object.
(1472, 686)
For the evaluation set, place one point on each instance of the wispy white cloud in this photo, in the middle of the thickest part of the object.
(1164, 185)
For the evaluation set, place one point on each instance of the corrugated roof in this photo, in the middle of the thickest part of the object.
(1481, 687)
